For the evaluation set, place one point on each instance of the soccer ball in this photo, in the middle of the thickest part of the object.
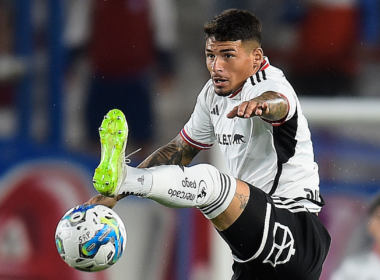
(90, 237)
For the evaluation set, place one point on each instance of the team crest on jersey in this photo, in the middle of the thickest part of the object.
(283, 246)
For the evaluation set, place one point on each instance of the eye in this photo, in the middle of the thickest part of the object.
(228, 55)
(210, 55)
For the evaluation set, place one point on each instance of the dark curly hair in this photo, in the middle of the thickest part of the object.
(233, 25)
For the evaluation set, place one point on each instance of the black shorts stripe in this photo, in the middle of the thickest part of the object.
(289, 204)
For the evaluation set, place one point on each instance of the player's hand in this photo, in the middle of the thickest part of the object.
(105, 200)
(249, 109)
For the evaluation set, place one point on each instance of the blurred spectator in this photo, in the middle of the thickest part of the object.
(369, 48)
(5, 49)
(366, 265)
(131, 41)
(11, 67)
(324, 62)
(221, 5)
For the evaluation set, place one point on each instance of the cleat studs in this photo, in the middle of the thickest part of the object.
(106, 117)
(101, 128)
(107, 183)
(119, 132)
(94, 181)
(118, 118)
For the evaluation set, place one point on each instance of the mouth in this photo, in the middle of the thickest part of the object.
(219, 81)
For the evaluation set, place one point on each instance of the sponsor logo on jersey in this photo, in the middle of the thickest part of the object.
(283, 246)
(230, 139)
(215, 110)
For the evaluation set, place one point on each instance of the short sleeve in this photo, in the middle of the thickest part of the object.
(284, 89)
(199, 130)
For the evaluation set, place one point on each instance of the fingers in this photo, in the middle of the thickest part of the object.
(261, 109)
(249, 109)
(233, 113)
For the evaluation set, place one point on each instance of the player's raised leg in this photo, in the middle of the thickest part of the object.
(201, 186)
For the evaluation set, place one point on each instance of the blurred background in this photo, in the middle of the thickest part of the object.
(65, 63)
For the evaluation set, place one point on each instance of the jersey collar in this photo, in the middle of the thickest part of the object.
(236, 92)
(265, 64)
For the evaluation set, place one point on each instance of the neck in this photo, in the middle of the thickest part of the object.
(256, 69)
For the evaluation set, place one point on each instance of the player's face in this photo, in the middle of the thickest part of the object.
(231, 63)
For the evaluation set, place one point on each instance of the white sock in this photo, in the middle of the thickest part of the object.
(137, 182)
(201, 186)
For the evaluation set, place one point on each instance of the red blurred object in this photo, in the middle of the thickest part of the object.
(36, 197)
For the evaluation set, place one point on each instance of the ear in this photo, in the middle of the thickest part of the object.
(258, 57)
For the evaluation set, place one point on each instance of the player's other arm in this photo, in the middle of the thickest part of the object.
(271, 106)
(176, 152)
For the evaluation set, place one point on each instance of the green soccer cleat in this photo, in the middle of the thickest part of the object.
(112, 170)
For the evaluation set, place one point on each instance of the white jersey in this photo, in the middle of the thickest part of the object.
(275, 157)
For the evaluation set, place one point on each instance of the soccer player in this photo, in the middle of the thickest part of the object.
(266, 208)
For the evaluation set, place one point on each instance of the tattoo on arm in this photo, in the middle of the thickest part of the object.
(277, 104)
(177, 152)
(243, 200)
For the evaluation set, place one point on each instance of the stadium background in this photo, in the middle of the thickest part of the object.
(44, 170)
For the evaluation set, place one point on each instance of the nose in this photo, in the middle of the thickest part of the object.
(216, 65)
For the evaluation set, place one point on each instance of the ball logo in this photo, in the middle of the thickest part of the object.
(202, 192)
(84, 237)
(283, 246)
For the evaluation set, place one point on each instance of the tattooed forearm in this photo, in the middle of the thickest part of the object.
(177, 152)
(168, 154)
(277, 104)
(243, 200)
